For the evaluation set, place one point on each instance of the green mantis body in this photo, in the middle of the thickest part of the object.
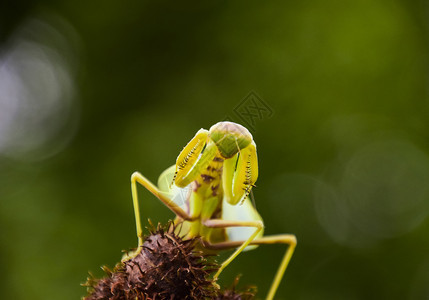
(208, 190)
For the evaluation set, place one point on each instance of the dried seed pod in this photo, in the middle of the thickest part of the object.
(167, 267)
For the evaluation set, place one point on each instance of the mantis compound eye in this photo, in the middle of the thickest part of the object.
(230, 138)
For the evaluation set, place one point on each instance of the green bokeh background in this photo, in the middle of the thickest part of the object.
(344, 157)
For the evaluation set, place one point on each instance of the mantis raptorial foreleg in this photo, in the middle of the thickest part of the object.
(288, 239)
(219, 223)
(239, 174)
(138, 178)
(189, 162)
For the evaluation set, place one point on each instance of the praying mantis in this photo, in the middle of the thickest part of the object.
(208, 190)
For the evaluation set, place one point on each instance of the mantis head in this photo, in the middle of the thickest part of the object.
(230, 138)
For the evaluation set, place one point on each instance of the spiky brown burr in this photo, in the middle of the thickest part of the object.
(167, 267)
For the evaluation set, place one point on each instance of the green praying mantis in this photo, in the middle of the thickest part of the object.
(208, 190)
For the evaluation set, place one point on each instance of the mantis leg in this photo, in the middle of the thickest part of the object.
(288, 239)
(138, 178)
(219, 223)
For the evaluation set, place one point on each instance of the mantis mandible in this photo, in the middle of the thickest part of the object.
(208, 190)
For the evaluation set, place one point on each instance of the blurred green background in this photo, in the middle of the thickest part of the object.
(91, 91)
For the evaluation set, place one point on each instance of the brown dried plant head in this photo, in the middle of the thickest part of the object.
(167, 267)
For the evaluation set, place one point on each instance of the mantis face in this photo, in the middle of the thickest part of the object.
(228, 143)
